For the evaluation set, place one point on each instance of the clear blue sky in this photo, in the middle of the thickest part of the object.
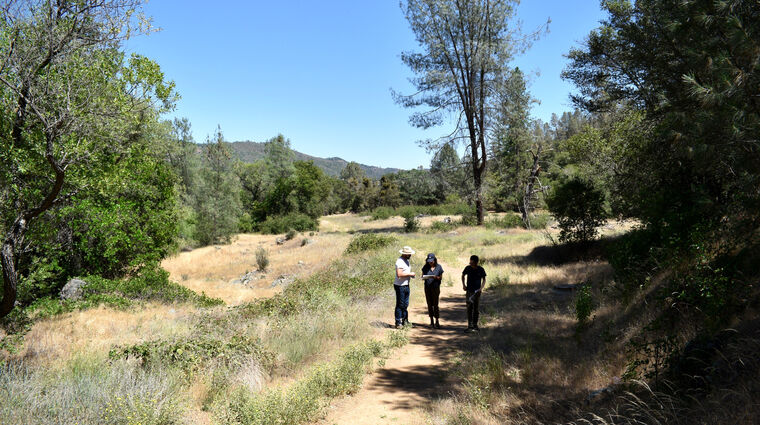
(320, 72)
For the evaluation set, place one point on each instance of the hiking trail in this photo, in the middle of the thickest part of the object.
(401, 390)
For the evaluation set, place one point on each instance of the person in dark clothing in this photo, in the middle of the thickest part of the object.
(432, 273)
(473, 286)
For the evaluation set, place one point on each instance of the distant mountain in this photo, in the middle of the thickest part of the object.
(253, 151)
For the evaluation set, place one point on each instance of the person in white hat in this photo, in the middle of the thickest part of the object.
(401, 285)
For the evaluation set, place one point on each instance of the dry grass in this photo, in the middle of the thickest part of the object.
(213, 269)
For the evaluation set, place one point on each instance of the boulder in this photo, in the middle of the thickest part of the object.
(280, 241)
(73, 290)
(283, 280)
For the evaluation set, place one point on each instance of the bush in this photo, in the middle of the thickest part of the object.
(584, 304)
(578, 206)
(507, 221)
(369, 241)
(382, 213)
(411, 224)
(440, 226)
(539, 221)
(470, 218)
(262, 259)
(290, 234)
(283, 223)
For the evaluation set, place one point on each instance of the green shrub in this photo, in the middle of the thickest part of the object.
(540, 220)
(584, 304)
(262, 259)
(411, 224)
(290, 234)
(195, 353)
(302, 402)
(382, 213)
(469, 218)
(368, 242)
(507, 221)
(578, 206)
(283, 223)
(440, 226)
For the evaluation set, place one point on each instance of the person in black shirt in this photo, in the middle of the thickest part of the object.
(473, 286)
(432, 287)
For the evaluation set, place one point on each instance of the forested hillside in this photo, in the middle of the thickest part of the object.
(253, 151)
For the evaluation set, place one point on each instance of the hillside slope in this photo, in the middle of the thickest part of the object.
(252, 151)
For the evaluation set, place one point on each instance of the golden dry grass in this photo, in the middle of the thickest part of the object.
(98, 330)
(213, 269)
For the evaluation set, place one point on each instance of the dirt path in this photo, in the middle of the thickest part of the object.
(399, 392)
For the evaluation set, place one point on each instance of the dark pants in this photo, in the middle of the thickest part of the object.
(473, 309)
(402, 302)
(431, 296)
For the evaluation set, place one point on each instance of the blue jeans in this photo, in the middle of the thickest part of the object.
(402, 302)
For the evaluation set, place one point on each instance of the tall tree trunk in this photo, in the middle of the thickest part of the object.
(8, 261)
(528, 195)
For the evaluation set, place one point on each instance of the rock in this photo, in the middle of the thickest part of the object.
(501, 232)
(301, 263)
(187, 248)
(280, 241)
(447, 220)
(454, 233)
(73, 290)
(307, 241)
(246, 278)
(283, 280)
(565, 287)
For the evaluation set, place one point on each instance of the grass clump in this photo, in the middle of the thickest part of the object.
(262, 259)
(369, 242)
(90, 391)
(304, 401)
(507, 221)
(441, 226)
(195, 353)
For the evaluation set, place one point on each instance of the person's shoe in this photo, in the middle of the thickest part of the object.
(469, 330)
(475, 328)
(432, 324)
(397, 326)
(437, 325)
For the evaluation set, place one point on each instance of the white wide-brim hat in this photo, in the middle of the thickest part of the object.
(407, 251)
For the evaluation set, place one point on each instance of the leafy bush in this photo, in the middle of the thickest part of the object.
(470, 218)
(584, 304)
(507, 221)
(282, 223)
(195, 353)
(382, 213)
(539, 221)
(440, 226)
(290, 234)
(369, 241)
(578, 206)
(262, 259)
(411, 224)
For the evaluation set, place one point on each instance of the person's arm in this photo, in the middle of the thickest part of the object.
(440, 276)
(483, 282)
(400, 273)
(464, 286)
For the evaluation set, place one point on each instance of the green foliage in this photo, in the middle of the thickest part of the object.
(369, 242)
(217, 202)
(578, 206)
(281, 224)
(382, 213)
(355, 277)
(262, 259)
(195, 353)
(470, 218)
(506, 221)
(302, 402)
(440, 226)
(411, 224)
(290, 234)
(584, 304)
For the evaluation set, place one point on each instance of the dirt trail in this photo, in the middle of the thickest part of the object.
(399, 392)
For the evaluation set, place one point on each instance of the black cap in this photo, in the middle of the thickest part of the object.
(431, 257)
